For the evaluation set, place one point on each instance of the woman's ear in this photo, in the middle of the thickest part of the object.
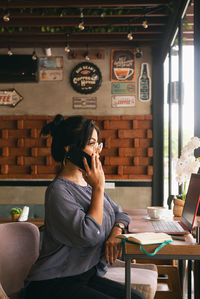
(67, 148)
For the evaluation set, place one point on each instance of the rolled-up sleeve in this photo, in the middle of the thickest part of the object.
(120, 216)
(69, 223)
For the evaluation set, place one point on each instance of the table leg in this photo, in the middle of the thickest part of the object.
(128, 277)
(196, 279)
(189, 284)
(180, 267)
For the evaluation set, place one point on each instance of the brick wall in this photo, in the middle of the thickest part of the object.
(127, 152)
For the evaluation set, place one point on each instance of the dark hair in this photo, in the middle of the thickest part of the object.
(72, 131)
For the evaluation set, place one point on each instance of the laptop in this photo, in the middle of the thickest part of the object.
(172, 227)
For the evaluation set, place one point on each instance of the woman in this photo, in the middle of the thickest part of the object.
(81, 222)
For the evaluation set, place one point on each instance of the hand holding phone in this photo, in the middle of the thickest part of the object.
(75, 155)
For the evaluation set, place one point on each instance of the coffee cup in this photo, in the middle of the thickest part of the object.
(123, 73)
(156, 212)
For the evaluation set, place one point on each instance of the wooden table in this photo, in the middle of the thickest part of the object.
(177, 250)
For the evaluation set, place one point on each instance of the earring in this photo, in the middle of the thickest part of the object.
(64, 162)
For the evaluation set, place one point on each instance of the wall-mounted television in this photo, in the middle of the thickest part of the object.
(18, 68)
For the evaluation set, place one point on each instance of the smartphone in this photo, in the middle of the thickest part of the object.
(75, 155)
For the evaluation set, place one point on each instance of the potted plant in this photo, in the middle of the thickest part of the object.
(185, 166)
(15, 213)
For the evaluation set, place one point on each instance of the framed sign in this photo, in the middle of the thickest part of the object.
(122, 65)
(86, 78)
(9, 97)
(51, 75)
(51, 68)
(84, 102)
(119, 101)
(123, 88)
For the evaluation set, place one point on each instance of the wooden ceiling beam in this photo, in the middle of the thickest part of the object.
(87, 3)
(78, 45)
(74, 22)
(65, 30)
(135, 14)
(80, 38)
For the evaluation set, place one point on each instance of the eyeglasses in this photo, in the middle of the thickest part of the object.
(98, 147)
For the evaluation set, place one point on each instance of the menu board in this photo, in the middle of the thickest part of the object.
(86, 78)
(122, 65)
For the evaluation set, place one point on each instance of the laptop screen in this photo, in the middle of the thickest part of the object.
(191, 201)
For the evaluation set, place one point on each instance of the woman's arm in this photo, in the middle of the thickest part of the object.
(94, 176)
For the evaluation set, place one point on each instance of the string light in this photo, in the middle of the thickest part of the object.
(130, 35)
(81, 24)
(6, 16)
(86, 55)
(138, 53)
(10, 53)
(145, 24)
(67, 47)
(34, 55)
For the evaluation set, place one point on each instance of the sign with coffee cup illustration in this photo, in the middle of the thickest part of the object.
(122, 65)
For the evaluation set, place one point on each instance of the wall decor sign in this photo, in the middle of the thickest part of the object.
(122, 65)
(123, 88)
(51, 68)
(119, 101)
(144, 83)
(86, 78)
(51, 75)
(84, 103)
(9, 97)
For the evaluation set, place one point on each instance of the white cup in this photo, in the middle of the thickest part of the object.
(156, 212)
(123, 73)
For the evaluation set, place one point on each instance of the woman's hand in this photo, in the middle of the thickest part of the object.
(112, 248)
(94, 176)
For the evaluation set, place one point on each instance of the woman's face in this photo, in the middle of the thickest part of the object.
(92, 144)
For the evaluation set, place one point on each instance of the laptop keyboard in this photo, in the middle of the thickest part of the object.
(167, 226)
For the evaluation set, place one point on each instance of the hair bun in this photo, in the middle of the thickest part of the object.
(51, 127)
(58, 120)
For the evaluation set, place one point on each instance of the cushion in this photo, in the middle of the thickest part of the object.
(143, 277)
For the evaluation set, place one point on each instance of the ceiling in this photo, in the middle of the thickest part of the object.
(35, 23)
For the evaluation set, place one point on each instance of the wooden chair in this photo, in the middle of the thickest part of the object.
(19, 249)
(168, 286)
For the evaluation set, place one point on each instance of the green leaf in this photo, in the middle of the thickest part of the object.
(15, 211)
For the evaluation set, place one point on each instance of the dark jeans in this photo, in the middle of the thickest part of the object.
(87, 285)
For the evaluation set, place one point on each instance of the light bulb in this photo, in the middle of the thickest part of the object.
(6, 17)
(81, 25)
(34, 56)
(130, 36)
(138, 53)
(145, 24)
(87, 57)
(67, 48)
(10, 53)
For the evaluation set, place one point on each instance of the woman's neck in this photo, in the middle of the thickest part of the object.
(73, 173)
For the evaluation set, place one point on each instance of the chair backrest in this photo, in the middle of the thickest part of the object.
(19, 249)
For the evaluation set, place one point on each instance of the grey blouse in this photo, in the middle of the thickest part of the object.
(73, 242)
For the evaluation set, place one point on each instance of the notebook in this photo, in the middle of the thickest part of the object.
(186, 222)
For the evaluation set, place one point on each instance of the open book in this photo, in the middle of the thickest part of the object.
(146, 238)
